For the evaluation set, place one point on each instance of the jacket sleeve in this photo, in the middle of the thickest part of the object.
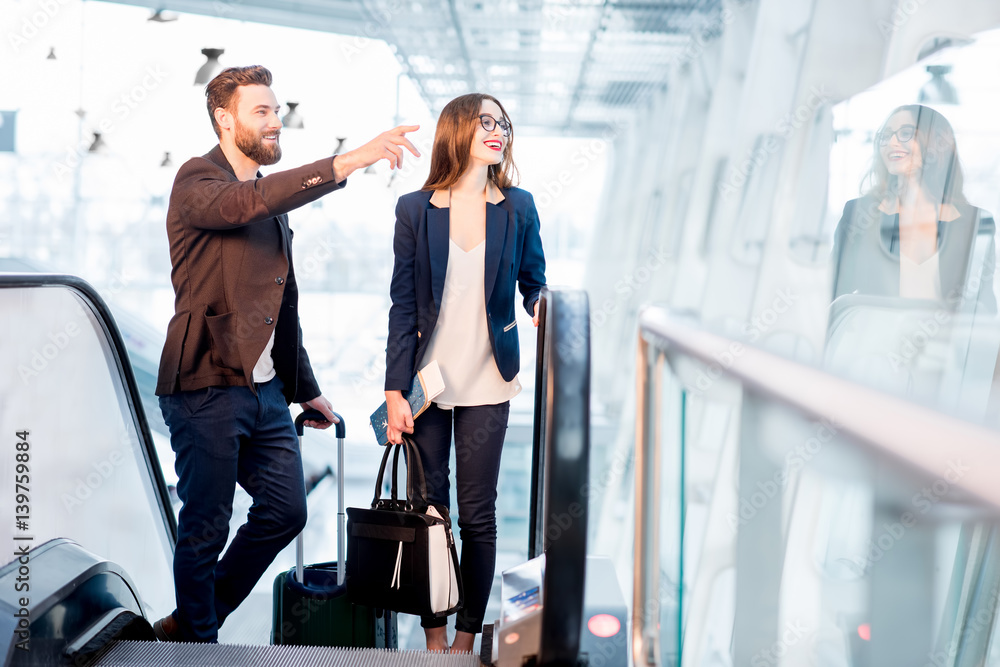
(531, 272)
(401, 343)
(209, 199)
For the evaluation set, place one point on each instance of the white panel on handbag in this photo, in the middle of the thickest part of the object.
(442, 579)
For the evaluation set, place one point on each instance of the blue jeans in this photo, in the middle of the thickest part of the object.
(222, 436)
(479, 435)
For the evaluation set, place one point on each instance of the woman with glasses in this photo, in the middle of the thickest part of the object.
(913, 234)
(462, 244)
(913, 271)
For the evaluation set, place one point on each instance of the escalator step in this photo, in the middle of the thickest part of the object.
(153, 654)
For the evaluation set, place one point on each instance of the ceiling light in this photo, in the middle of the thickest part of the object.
(292, 119)
(52, 53)
(158, 17)
(98, 144)
(939, 89)
(936, 44)
(167, 162)
(340, 144)
(211, 66)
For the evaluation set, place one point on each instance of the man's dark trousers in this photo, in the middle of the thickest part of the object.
(221, 436)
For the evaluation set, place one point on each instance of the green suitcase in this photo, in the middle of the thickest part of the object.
(311, 607)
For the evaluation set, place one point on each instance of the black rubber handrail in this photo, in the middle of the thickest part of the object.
(560, 469)
(120, 355)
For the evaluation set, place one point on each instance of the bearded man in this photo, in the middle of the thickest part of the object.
(233, 359)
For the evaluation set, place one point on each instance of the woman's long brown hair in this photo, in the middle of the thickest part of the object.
(456, 129)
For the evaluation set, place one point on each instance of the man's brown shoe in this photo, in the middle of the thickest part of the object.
(165, 629)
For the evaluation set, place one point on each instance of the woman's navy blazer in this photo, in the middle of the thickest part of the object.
(420, 245)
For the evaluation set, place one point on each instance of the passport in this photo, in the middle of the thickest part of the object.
(427, 385)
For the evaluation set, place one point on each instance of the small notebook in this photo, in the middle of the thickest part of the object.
(427, 385)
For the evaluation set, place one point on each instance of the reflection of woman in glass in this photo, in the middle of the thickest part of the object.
(913, 234)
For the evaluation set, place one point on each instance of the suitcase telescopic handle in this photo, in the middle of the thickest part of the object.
(341, 432)
(317, 416)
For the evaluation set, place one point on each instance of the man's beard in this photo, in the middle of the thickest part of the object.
(253, 146)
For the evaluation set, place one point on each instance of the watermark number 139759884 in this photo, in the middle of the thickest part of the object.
(22, 538)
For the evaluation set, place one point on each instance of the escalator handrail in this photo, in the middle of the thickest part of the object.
(560, 472)
(119, 352)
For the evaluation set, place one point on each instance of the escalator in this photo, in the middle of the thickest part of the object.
(96, 531)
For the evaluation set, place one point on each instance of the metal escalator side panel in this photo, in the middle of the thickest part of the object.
(604, 632)
(566, 473)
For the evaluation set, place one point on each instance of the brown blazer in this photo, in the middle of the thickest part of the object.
(231, 253)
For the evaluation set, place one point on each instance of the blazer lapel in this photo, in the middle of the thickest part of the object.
(499, 224)
(437, 244)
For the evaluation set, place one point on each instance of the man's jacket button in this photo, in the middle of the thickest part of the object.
(268, 320)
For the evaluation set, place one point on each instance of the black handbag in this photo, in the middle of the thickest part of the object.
(401, 553)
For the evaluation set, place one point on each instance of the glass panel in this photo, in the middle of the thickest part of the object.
(89, 480)
(668, 403)
(801, 548)
(825, 528)
(699, 424)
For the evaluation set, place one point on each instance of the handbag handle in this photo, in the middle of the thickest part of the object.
(381, 474)
(416, 484)
(395, 468)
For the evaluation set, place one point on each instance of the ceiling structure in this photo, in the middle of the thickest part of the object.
(558, 66)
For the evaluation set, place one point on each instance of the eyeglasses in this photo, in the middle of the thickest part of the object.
(489, 123)
(904, 134)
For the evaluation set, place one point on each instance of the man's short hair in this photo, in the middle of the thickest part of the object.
(222, 90)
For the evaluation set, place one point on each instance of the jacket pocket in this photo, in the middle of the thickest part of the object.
(225, 349)
(510, 326)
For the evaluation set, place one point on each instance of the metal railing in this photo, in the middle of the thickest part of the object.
(908, 439)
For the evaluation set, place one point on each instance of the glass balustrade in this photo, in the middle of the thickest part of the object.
(804, 519)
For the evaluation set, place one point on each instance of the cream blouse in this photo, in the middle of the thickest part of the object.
(460, 342)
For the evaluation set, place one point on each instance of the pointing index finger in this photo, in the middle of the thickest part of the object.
(409, 146)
